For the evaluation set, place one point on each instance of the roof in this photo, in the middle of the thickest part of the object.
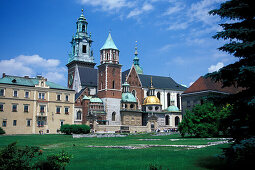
(160, 82)
(26, 81)
(173, 109)
(88, 76)
(96, 100)
(109, 44)
(206, 84)
(128, 97)
(78, 94)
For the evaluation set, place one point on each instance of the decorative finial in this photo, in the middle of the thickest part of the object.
(151, 81)
(82, 10)
(136, 53)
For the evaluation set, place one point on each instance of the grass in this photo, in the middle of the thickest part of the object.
(114, 158)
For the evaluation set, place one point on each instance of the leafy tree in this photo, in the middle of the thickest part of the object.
(205, 120)
(240, 34)
(74, 129)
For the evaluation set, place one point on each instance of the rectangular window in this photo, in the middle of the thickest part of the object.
(41, 95)
(26, 94)
(66, 110)
(14, 122)
(84, 49)
(58, 97)
(58, 110)
(25, 108)
(42, 109)
(61, 122)
(28, 122)
(1, 107)
(67, 98)
(1, 92)
(14, 107)
(15, 93)
(4, 123)
(40, 123)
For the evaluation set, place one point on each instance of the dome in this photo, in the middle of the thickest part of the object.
(128, 97)
(173, 109)
(96, 100)
(151, 100)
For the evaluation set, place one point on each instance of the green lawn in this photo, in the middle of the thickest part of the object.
(115, 158)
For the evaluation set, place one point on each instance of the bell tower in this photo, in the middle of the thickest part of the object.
(81, 54)
(109, 80)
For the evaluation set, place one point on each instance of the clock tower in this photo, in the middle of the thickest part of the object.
(81, 55)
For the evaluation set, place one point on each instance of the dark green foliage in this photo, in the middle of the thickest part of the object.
(54, 162)
(74, 129)
(30, 157)
(241, 155)
(205, 121)
(2, 131)
(240, 34)
(13, 157)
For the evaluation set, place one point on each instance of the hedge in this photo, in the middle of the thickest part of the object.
(74, 129)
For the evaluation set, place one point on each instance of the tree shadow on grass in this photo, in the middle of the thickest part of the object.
(212, 162)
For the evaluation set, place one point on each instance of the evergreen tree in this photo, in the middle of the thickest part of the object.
(239, 33)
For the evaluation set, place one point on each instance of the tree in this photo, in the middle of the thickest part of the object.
(240, 34)
(205, 120)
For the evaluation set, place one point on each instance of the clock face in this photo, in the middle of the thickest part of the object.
(70, 82)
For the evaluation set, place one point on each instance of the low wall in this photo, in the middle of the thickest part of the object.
(114, 128)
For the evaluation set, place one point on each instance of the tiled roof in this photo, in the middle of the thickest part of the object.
(206, 84)
(25, 81)
(88, 76)
(160, 82)
(109, 44)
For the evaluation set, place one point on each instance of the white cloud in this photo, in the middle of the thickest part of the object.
(138, 11)
(174, 9)
(216, 67)
(32, 65)
(108, 5)
(178, 26)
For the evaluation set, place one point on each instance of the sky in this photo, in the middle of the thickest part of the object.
(174, 37)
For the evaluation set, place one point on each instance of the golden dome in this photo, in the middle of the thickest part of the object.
(151, 100)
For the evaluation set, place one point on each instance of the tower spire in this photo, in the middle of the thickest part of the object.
(138, 69)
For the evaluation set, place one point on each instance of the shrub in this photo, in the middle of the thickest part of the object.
(12, 157)
(54, 162)
(2, 131)
(74, 129)
(31, 157)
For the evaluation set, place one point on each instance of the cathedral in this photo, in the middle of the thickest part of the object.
(110, 99)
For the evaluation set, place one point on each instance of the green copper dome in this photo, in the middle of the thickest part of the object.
(173, 109)
(128, 97)
(96, 100)
(109, 44)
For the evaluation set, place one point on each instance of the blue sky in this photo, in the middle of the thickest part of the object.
(174, 36)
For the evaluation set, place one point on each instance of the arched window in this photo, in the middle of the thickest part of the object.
(78, 115)
(158, 95)
(168, 99)
(113, 116)
(167, 119)
(114, 56)
(107, 56)
(113, 84)
(178, 101)
(177, 121)
(147, 93)
(134, 92)
(83, 28)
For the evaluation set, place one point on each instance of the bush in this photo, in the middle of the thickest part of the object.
(54, 162)
(74, 129)
(2, 131)
(12, 157)
(31, 157)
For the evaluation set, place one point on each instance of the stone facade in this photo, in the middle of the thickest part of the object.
(30, 110)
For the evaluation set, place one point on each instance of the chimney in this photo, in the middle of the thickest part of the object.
(4, 75)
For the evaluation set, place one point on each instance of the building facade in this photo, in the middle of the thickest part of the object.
(34, 105)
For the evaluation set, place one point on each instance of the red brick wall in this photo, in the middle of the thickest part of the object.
(135, 84)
